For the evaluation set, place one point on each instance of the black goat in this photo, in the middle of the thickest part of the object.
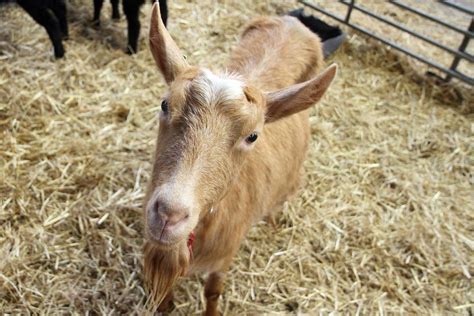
(52, 15)
(131, 8)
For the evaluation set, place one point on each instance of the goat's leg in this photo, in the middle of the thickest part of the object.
(97, 8)
(271, 217)
(60, 10)
(115, 9)
(48, 20)
(131, 8)
(164, 11)
(51, 23)
(212, 291)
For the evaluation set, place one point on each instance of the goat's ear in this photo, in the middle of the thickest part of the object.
(166, 53)
(298, 97)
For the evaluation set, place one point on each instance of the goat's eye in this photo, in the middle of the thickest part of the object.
(251, 138)
(164, 106)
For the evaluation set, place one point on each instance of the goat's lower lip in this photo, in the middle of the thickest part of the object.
(162, 236)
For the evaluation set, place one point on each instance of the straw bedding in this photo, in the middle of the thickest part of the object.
(383, 224)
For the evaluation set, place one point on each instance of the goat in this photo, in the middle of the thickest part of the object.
(52, 15)
(131, 8)
(229, 151)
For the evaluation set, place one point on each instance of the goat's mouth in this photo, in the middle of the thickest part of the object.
(165, 235)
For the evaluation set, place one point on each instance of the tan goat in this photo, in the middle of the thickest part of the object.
(212, 178)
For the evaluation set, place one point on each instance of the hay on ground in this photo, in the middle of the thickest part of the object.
(383, 224)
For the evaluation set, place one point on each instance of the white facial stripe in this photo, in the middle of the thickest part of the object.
(222, 87)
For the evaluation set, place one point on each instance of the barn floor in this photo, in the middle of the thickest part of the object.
(384, 223)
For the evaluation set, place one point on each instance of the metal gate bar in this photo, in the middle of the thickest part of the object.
(462, 48)
(456, 6)
(430, 17)
(459, 54)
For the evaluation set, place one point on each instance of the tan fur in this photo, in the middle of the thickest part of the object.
(241, 183)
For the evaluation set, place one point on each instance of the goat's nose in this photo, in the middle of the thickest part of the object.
(169, 214)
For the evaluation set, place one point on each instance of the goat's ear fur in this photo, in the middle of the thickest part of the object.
(166, 53)
(298, 97)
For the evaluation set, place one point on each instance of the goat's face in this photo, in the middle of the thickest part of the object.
(209, 124)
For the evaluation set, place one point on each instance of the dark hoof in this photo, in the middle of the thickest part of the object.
(130, 51)
(59, 55)
(95, 23)
(58, 50)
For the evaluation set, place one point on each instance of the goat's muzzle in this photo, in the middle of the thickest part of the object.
(166, 224)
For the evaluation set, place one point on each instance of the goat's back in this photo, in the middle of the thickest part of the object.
(275, 52)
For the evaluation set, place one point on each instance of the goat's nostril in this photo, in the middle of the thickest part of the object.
(155, 207)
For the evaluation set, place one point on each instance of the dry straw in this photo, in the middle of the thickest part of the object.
(384, 223)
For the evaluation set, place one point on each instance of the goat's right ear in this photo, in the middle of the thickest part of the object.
(298, 97)
(166, 53)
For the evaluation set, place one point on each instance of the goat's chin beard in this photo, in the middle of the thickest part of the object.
(162, 267)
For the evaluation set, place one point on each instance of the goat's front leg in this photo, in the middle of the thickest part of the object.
(49, 21)
(164, 11)
(115, 9)
(212, 291)
(51, 24)
(97, 8)
(131, 8)
(60, 10)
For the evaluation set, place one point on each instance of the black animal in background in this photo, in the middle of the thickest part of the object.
(331, 36)
(131, 8)
(52, 15)
(98, 7)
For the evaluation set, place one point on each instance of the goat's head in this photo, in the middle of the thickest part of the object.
(209, 124)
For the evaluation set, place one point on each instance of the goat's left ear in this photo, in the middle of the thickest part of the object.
(298, 97)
